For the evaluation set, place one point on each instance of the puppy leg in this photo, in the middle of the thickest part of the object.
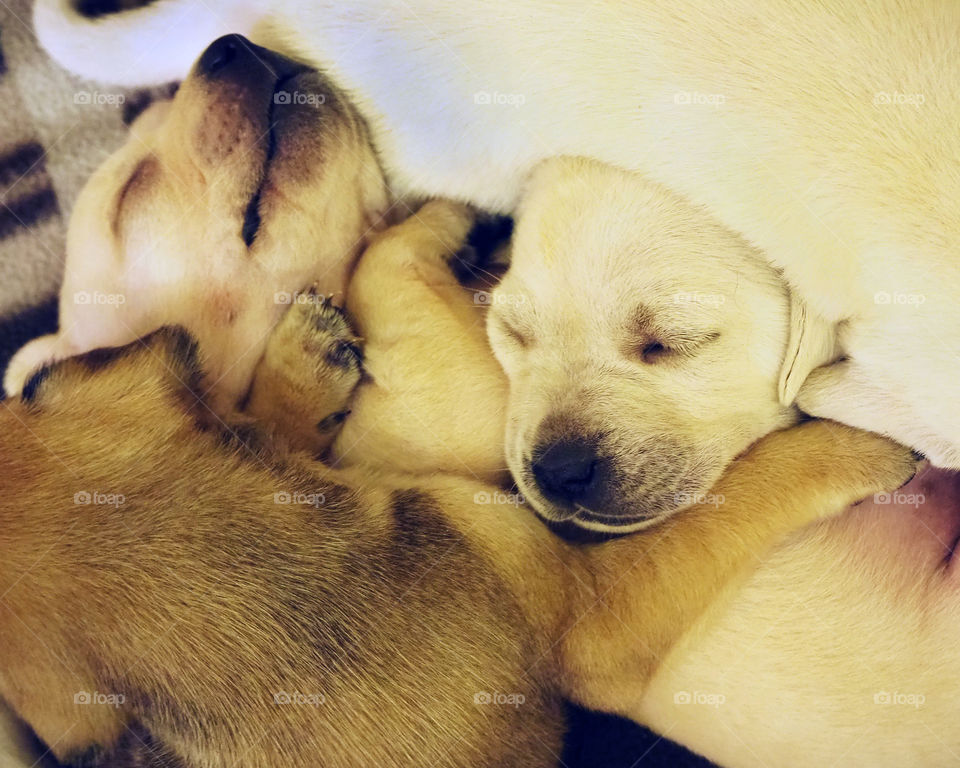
(637, 595)
(846, 393)
(422, 330)
(303, 385)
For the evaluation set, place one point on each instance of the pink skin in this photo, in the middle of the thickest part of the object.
(920, 521)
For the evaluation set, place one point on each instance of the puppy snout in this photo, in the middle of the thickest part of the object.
(570, 472)
(233, 57)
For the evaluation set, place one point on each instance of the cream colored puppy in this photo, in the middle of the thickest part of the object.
(643, 342)
(841, 649)
(257, 180)
(824, 132)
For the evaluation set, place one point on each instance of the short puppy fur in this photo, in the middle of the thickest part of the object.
(256, 180)
(243, 604)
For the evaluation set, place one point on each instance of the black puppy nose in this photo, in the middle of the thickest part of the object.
(568, 472)
(233, 58)
(221, 52)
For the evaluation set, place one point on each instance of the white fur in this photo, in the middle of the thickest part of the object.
(825, 132)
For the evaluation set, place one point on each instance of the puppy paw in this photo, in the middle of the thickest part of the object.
(28, 360)
(304, 383)
(856, 463)
(878, 464)
(820, 468)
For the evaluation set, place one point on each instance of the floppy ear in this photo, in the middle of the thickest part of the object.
(812, 343)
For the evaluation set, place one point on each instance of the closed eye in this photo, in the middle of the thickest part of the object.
(518, 337)
(139, 176)
(671, 346)
(654, 351)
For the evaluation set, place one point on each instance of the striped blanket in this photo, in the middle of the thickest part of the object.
(54, 130)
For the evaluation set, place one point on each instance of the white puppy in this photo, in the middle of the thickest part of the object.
(643, 343)
(824, 132)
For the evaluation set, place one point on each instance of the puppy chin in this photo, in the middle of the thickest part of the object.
(612, 523)
(625, 518)
(564, 520)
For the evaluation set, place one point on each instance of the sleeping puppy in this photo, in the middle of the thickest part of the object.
(257, 180)
(262, 608)
(638, 374)
(824, 132)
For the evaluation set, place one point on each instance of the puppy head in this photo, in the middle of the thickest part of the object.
(643, 344)
(257, 163)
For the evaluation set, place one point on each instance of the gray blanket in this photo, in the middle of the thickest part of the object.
(54, 130)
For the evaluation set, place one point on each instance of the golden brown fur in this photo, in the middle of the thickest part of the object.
(434, 398)
(232, 574)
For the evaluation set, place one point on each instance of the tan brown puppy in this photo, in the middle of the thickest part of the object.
(256, 180)
(223, 603)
